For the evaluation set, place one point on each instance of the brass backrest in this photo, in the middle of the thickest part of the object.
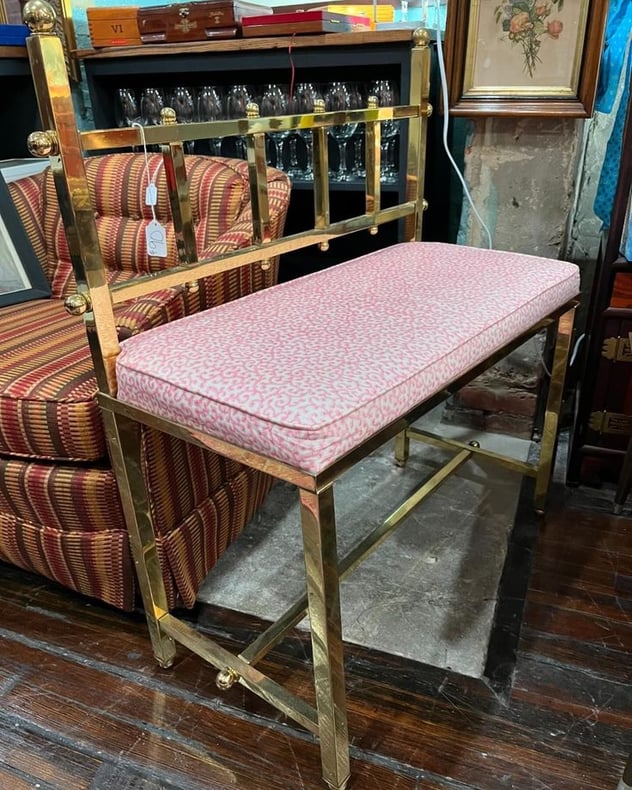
(66, 148)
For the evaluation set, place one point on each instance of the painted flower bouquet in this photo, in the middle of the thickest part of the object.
(526, 23)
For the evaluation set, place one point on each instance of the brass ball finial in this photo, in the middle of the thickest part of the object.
(42, 144)
(421, 37)
(252, 110)
(77, 304)
(168, 116)
(226, 678)
(39, 16)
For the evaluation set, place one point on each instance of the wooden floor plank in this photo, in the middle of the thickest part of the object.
(547, 590)
(31, 759)
(83, 704)
(596, 660)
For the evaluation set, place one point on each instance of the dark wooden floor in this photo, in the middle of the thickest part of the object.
(83, 706)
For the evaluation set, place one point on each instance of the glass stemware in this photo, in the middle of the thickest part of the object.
(182, 101)
(302, 101)
(151, 103)
(237, 100)
(126, 107)
(274, 101)
(341, 97)
(210, 108)
(386, 93)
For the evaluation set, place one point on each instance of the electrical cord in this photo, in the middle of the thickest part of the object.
(446, 121)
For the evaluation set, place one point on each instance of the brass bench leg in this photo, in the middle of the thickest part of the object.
(323, 595)
(402, 448)
(553, 406)
(125, 449)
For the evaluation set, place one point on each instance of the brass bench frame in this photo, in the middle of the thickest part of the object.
(65, 146)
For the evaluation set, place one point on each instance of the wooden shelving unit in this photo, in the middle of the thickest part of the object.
(18, 109)
(603, 424)
(352, 57)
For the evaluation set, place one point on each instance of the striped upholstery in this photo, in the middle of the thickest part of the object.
(47, 385)
(60, 513)
(118, 182)
(90, 552)
(97, 564)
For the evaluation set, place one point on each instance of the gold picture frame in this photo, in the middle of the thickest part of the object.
(65, 29)
(11, 13)
(524, 58)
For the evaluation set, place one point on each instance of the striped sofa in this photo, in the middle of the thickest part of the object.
(60, 512)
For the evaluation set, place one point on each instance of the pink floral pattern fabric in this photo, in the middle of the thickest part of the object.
(306, 370)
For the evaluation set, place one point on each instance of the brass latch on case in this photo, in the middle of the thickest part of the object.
(618, 349)
(610, 422)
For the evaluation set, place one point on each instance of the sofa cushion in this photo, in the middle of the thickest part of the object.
(218, 192)
(93, 563)
(47, 408)
(62, 496)
(307, 370)
(47, 385)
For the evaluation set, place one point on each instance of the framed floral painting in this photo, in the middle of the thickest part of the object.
(526, 57)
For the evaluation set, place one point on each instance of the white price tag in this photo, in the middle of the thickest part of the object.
(156, 239)
(151, 195)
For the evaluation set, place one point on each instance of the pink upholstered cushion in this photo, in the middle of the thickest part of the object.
(306, 370)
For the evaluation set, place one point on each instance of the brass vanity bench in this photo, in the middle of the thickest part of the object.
(301, 380)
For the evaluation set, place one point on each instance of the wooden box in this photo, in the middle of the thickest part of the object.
(113, 27)
(197, 21)
(297, 22)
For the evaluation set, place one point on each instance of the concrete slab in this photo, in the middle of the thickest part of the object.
(429, 592)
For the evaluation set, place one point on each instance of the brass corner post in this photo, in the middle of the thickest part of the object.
(61, 141)
(417, 129)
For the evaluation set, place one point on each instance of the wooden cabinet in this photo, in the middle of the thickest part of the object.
(354, 58)
(18, 109)
(603, 424)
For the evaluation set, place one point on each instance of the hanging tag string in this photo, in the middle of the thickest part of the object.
(155, 234)
(151, 191)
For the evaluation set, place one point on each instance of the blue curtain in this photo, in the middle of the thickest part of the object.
(616, 64)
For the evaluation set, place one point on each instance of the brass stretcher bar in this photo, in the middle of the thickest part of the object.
(65, 146)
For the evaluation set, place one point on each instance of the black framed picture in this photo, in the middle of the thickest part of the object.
(21, 276)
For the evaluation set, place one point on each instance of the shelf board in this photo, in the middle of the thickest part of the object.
(371, 38)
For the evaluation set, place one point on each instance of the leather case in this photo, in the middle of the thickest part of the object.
(295, 22)
(196, 21)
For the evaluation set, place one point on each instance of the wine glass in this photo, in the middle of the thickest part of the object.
(151, 104)
(182, 101)
(302, 101)
(358, 168)
(126, 107)
(237, 100)
(386, 93)
(274, 101)
(210, 108)
(341, 97)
